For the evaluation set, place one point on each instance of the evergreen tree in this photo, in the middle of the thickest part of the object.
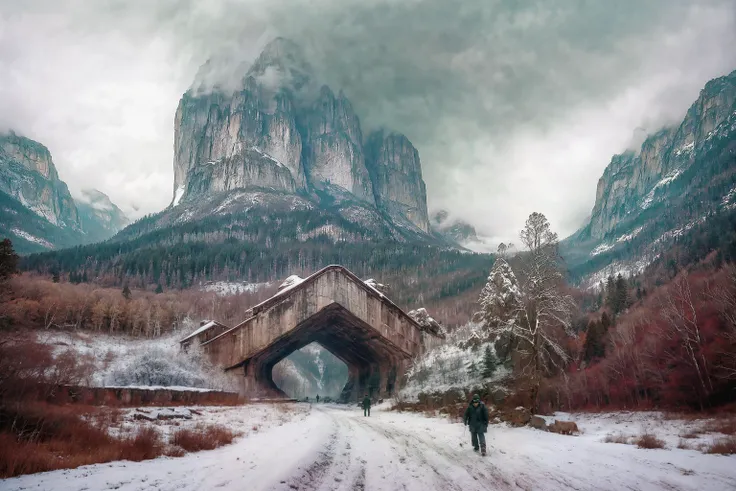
(159, 288)
(621, 296)
(605, 322)
(594, 344)
(611, 294)
(55, 277)
(489, 363)
(126, 292)
(8, 260)
(472, 369)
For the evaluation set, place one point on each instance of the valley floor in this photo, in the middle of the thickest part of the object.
(329, 447)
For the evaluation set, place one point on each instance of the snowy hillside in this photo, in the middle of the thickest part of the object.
(120, 361)
(459, 364)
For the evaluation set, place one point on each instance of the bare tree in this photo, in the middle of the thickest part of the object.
(529, 310)
(678, 310)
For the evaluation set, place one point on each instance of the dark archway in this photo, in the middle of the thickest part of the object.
(370, 359)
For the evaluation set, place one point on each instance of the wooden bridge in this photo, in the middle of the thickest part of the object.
(336, 309)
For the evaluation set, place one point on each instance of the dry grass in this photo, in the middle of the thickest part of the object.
(723, 446)
(649, 440)
(616, 438)
(203, 437)
(691, 434)
(40, 437)
(727, 426)
(684, 445)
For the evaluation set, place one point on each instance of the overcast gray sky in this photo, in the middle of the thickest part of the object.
(514, 106)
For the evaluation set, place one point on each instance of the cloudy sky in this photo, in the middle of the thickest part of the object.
(514, 106)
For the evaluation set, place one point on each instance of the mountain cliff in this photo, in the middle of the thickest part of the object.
(37, 212)
(679, 177)
(270, 137)
(28, 174)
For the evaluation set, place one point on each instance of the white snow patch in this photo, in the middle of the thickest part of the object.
(268, 156)
(290, 282)
(649, 198)
(625, 269)
(227, 288)
(162, 387)
(178, 195)
(688, 148)
(727, 200)
(601, 249)
(32, 238)
(628, 237)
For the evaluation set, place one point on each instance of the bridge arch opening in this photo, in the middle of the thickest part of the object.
(372, 362)
(309, 372)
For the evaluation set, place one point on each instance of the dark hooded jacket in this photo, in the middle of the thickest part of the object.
(366, 402)
(477, 418)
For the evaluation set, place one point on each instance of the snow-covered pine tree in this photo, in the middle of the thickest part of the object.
(500, 298)
(472, 369)
(530, 310)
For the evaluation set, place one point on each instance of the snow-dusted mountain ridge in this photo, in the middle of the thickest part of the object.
(681, 176)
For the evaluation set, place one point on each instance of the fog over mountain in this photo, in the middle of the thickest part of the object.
(512, 108)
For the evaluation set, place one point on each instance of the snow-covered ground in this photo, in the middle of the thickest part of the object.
(335, 448)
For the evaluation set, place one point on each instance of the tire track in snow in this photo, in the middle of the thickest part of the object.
(415, 457)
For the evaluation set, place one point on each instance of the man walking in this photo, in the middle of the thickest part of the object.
(366, 406)
(476, 418)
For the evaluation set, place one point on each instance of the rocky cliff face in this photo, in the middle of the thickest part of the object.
(334, 155)
(99, 217)
(272, 129)
(28, 174)
(679, 176)
(632, 181)
(396, 172)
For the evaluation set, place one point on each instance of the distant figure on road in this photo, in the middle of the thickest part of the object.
(476, 418)
(317, 397)
(366, 406)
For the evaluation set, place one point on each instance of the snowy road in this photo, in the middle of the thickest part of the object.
(336, 448)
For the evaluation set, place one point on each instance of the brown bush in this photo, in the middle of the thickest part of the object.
(146, 444)
(649, 440)
(723, 446)
(203, 437)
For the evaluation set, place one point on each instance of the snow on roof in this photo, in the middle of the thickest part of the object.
(290, 283)
(378, 287)
(200, 330)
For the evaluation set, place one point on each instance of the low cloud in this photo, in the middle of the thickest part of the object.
(513, 108)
